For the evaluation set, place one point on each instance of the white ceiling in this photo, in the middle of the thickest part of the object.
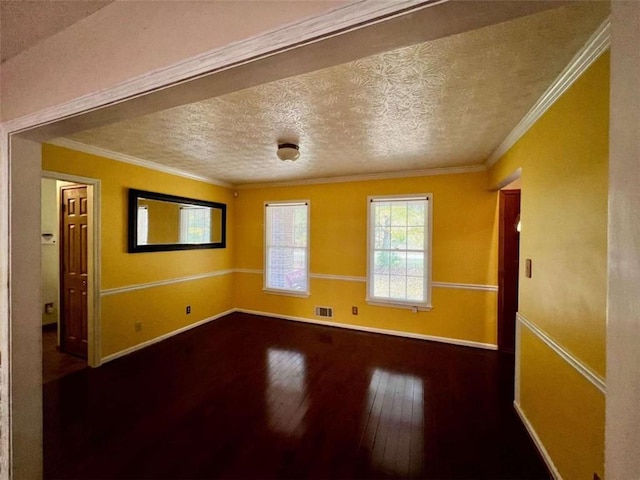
(447, 102)
(24, 23)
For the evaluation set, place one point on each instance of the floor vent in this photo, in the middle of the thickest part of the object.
(325, 312)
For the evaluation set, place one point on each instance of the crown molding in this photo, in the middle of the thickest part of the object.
(368, 176)
(595, 46)
(121, 157)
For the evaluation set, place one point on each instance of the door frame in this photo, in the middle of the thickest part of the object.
(94, 354)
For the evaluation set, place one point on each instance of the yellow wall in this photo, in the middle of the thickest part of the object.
(160, 309)
(564, 161)
(464, 251)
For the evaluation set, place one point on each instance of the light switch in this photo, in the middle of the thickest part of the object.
(527, 267)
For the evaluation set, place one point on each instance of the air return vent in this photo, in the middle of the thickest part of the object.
(326, 312)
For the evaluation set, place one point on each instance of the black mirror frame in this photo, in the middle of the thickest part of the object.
(135, 194)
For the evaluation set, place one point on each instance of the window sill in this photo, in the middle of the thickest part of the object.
(286, 293)
(405, 306)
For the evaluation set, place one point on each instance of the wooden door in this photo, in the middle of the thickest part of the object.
(74, 270)
(508, 257)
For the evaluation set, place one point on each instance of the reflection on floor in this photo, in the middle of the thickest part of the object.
(57, 364)
(254, 397)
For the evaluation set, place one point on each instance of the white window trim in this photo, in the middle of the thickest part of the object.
(278, 291)
(414, 306)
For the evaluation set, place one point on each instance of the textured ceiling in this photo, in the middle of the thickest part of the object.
(449, 102)
(24, 23)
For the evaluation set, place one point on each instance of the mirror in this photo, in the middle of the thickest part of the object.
(159, 222)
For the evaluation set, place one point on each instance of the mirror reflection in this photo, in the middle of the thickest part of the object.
(163, 222)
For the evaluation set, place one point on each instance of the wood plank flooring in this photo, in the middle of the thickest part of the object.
(57, 364)
(254, 397)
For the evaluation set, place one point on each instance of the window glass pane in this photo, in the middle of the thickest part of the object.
(300, 225)
(382, 214)
(381, 262)
(398, 263)
(415, 288)
(383, 237)
(397, 287)
(415, 263)
(381, 285)
(398, 214)
(399, 237)
(415, 238)
(415, 213)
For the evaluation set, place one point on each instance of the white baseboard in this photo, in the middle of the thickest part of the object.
(418, 336)
(536, 440)
(142, 345)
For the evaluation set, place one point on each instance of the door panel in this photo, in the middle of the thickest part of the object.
(74, 270)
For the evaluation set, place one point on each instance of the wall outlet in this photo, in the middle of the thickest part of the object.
(354, 310)
(188, 309)
(138, 326)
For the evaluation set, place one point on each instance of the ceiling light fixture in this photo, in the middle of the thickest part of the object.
(288, 151)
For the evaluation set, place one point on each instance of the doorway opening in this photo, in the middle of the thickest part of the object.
(508, 267)
(70, 274)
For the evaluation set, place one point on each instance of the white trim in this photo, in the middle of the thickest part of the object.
(94, 314)
(517, 173)
(121, 157)
(286, 293)
(350, 17)
(396, 333)
(595, 46)
(426, 172)
(465, 286)
(538, 443)
(518, 363)
(420, 307)
(580, 367)
(248, 270)
(350, 278)
(173, 333)
(160, 283)
(341, 278)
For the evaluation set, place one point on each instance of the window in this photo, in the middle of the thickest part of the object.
(399, 257)
(195, 224)
(287, 247)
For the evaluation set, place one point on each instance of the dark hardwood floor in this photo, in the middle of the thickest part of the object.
(254, 397)
(57, 364)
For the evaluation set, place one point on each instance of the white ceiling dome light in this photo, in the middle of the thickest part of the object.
(288, 151)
